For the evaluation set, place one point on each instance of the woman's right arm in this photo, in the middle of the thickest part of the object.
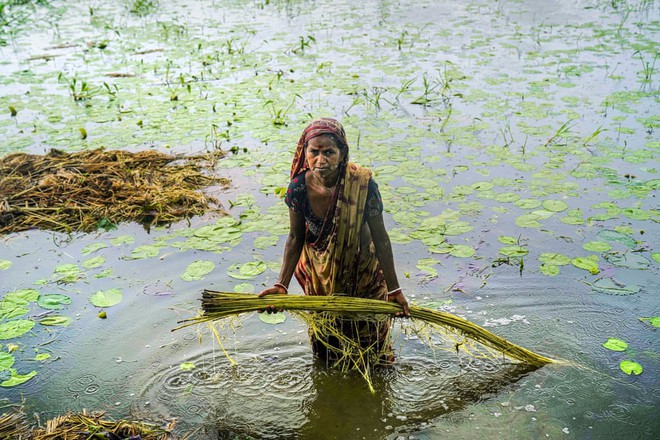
(292, 249)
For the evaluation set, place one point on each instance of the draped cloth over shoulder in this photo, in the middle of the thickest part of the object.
(340, 261)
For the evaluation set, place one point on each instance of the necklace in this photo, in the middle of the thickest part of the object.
(331, 188)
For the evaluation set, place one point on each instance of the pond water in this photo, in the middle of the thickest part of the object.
(514, 144)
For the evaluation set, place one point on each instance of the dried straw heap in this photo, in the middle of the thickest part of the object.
(461, 334)
(82, 191)
(80, 426)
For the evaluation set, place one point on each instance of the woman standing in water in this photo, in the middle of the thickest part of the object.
(337, 242)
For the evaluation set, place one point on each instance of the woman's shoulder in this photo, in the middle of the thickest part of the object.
(298, 180)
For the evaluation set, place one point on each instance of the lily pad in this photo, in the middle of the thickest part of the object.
(121, 240)
(654, 321)
(265, 242)
(615, 344)
(615, 236)
(54, 301)
(63, 321)
(106, 298)
(197, 269)
(555, 205)
(527, 203)
(246, 271)
(505, 239)
(93, 262)
(514, 251)
(5, 264)
(244, 288)
(145, 251)
(461, 251)
(6, 361)
(187, 366)
(15, 328)
(597, 246)
(93, 247)
(17, 379)
(549, 270)
(631, 368)
(610, 287)
(630, 260)
(554, 259)
(272, 318)
(656, 256)
(587, 263)
(635, 214)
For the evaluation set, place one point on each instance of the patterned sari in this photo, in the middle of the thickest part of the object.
(342, 259)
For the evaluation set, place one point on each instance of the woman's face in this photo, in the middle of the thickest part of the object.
(323, 155)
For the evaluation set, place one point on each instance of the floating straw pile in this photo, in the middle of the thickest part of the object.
(85, 190)
(83, 426)
(465, 335)
(13, 426)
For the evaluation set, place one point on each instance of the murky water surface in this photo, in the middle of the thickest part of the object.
(516, 149)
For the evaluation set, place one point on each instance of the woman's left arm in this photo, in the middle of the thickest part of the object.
(385, 257)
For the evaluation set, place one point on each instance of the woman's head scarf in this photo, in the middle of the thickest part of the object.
(316, 128)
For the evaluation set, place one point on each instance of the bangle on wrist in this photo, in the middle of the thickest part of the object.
(282, 286)
(394, 292)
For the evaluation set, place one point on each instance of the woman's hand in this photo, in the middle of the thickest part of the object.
(277, 289)
(398, 297)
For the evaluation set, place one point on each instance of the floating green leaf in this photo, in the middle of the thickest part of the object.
(555, 205)
(554, 259)
(654, 321)
(656, 256)
(54, 301)
(106, 298)
(15, 328)
(57, 320)
(17, 379)
(504, 239)
(93, 247)
(527, 203)
(244, 288)
(635, 214)
(587, 263)
(549, 270)
(630, 260)
(597, 246)
(5, 264)
(631, 368)
(610, 287)
(93, 262)
(272, 318)
(42, 357)
(461, 251)
(514, 251)
(187, 366)
(67, 273)
(121, 240)
(145, 251)
(197, 269)
(265, 242)
(457, 228)
(246, 271)
(615, 344)
(6, 361)
(615, 236)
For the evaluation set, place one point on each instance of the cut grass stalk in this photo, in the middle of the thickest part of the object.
(218, 305)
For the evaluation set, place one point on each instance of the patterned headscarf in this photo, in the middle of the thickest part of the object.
(314, 129)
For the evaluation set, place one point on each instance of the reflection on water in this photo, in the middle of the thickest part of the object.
(284, 392)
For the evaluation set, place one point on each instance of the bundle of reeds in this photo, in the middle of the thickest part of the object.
(84, 426)
(70, 192)
(13, 426)
(217, 305)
